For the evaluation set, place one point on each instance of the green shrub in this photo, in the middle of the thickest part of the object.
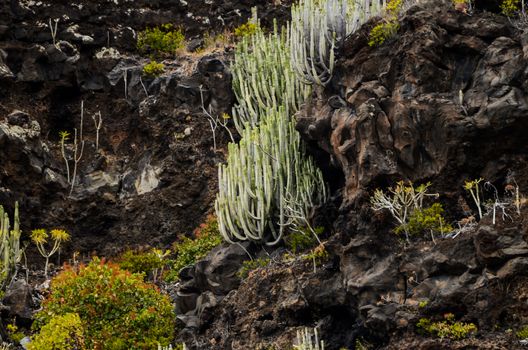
(382, 32)
(250, 265)
(14, 333)
(426, 220)
(423, 304)
(447, 328)
(140, 261)
(299, 241)
(189, 251)
(522, 333)
(161, 40)
(63, 332)
(386, 30)
(118, 309)
(245, 29)
(509, 7)
(153, 69)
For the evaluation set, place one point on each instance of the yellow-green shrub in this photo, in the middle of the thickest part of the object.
(299, 241)
(509, 7)
(161, 40)
(522, 333)
(447, 328)
(14, 333)
(140, 261)
(64, 332)
(117, 308)
(387, 29)
(153, 69)
(425, 220)
(245, 29)
(383, 31)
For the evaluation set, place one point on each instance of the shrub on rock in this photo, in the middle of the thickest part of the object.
(117, 308)
(63, 332)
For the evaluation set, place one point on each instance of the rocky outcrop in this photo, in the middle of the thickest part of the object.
(445, 101)
(153, 174)
(428, 105)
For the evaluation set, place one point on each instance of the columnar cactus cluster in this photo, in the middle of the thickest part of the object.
(263, 78)
(268, 183)
(318, 28)
(10, 250)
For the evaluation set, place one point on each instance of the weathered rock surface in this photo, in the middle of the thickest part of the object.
(151, 177)
(445, 101)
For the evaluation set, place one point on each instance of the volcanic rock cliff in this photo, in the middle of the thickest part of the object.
(445, 102)
(154, 174)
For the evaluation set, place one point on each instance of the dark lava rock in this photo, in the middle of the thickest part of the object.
(18, 303)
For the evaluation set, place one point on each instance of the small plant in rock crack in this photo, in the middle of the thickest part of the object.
(40, 238)
(401, 201)
(77, 150)
(15, 334)
(65, 136)
(303, 239)
(473, 188)
(426, 220)
(153, 69)
(251, 265)
(319, 255)
(447, 328)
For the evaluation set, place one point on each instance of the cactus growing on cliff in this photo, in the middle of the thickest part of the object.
(263, 78)
(268, 183)
(319, 27)
(10, 250)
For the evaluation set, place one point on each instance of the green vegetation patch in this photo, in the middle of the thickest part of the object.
(153, 69)
(188, 251)
(62, 332)
(510, 7)
(246, 29)
(388, 29)
(161, 40)
(448, 328)
(522, 333)
(299, 241)
(251, 265)
(426, 220)
(117, 308)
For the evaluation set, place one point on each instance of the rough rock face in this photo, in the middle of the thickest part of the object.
(154, 174)
(427, 105)
(445, 101)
